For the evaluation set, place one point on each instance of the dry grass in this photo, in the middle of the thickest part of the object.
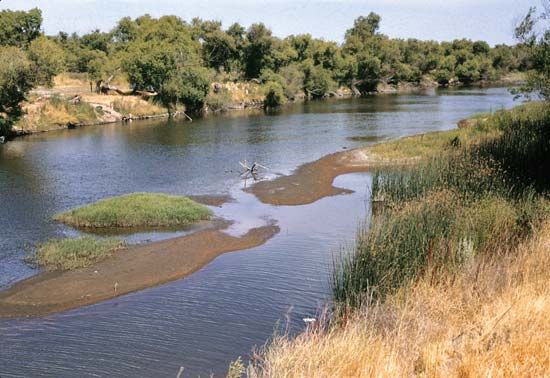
(430, 144)
(490, 320)
(131, 105)
(56, 112)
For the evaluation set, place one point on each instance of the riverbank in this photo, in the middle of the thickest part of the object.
(450, 278)
(70, 103)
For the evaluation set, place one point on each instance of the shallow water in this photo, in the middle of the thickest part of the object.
(203, 321)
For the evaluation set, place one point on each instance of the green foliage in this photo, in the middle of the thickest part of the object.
(257, 52)
(137, 210)
(68, 254)
(19, 28)
(187, 85)
(219, 50)
(218, 100)
(48, 59)
(158, 54)
(16, 80)
(537, 48)
(470, 200)
(96, 40)
(317, 80)
(274, 94)
(293, 80)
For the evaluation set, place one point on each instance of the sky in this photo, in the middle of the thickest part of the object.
(489, 20)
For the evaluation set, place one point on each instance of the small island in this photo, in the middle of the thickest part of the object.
(141, 210)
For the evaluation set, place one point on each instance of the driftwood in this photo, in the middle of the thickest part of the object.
(251, 170)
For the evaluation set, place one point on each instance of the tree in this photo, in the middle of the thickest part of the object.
(186, 85)
(19, 28)
(15, 82)
(538, 47)
(362, 48)
(318, 81)
(148, 65)
(257, 53)
(100, 68)
(97, 40)
(48, 59)
(365, 27)
(218, 49)
(274, 95)
(294, 80)
(126, 31)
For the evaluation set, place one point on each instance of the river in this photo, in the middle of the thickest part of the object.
(239, 300)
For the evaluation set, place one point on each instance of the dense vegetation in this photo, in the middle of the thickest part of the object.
(179, 60)
(437, 216)
(137, 210)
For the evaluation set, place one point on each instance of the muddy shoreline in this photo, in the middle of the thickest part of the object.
(130, 270)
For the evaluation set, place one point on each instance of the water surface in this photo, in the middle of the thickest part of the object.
(204, 321)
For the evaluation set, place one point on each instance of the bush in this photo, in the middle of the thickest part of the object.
(274, 95)
(218, 101)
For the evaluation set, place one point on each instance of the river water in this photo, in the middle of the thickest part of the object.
(239, 300)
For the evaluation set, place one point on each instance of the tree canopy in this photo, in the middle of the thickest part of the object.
(179, 60)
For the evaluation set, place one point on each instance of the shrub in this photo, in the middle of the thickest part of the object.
(274, 95)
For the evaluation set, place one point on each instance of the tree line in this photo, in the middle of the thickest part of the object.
(179, 60)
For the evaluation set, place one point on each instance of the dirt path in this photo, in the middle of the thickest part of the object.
(127, 271)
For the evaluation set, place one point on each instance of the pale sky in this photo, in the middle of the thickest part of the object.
(490, 20)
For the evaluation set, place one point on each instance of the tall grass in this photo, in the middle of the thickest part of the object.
(471, 200)
(490, 319)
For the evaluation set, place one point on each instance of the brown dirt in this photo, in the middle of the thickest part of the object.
(313, 181)
(127, 271)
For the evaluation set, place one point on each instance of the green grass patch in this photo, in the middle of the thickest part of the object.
(67, 254)
(137, 210)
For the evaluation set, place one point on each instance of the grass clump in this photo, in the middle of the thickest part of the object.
(67, 254)
(137, 210)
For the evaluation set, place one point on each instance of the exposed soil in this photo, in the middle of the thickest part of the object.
(313, 181)
(127, 271)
